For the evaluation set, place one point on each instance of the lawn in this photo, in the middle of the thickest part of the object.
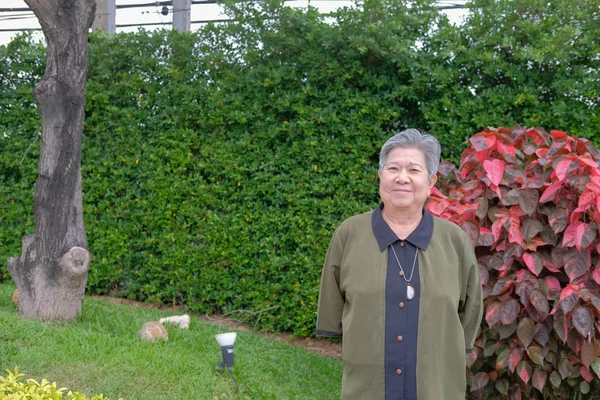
(101, 353)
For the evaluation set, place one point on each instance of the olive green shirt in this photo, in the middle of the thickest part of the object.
(352, 304)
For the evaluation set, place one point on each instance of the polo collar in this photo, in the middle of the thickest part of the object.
(420, 237)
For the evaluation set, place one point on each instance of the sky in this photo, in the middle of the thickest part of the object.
(21, 20)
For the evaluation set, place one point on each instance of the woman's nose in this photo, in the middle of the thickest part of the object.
(401, 176)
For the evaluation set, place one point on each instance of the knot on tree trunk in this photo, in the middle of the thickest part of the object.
(46, 87)
(75, 261)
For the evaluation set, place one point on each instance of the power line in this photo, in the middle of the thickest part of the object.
(442, 5)
(206, 21)
(20, 30)
(452, 5)
(11, 17)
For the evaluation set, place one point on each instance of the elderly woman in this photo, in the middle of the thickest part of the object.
(402, 286)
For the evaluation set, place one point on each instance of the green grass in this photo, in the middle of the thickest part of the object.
(101, 353)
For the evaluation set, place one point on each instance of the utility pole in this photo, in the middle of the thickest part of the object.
(105, 16)
(182, 10)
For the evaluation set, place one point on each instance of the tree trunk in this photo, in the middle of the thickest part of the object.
(51, 273)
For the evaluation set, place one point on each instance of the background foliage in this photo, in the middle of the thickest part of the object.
(217, 164)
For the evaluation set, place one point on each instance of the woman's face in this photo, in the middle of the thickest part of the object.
(403, 182)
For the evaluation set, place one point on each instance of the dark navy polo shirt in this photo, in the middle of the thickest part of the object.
(401, 314)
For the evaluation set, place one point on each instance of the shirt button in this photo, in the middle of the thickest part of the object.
(398, 371)
(401, 304)
(401, 273)
(399, 337)
(401, 244)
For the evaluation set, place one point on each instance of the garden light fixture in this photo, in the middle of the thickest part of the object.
(226, 340)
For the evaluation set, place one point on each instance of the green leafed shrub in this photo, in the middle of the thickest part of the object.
(14, 386)
(529, 202)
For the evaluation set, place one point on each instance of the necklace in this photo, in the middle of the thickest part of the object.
(410, 290)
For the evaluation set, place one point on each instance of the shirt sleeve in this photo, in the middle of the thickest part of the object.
(471, 302)
(331, 299)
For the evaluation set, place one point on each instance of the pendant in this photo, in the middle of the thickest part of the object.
(410, 292)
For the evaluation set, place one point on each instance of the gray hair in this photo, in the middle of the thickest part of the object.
(414, 139)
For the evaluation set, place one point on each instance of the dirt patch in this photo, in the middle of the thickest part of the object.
(319, 346)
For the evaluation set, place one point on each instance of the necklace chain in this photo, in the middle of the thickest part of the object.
(402, 269)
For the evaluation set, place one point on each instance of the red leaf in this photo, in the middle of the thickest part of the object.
(541, 334)
(558, 134)
(525, 331)
(577, 264)
(502, 359)
(494, 170)
(514, 358)
(534, 262)
(541, 152)
(507, 151)
(471, 358)
(579, 234)
(569, 235)
(497, 228)
(586, 373)
(552, 283)
(569, 297)
(525, 286)
(539, 379)
(485, 237)
(558, 219)
(524, 370)
(507, 331)
(482, 142)
(587, 236)
(502, 285)
(562, 169)
(560, 326)
(472, 230)
(528, 200)
(437, 207)
(464, 209)
(492, 314)
(583, 321)
(479, 381)
(588, 352)
(596, 275)
(587, 197)
(550, 191)
(509, 311)
(536, 355)
(566, 369)
(539, 301)
(516, 394)
(531, 227)
(515, 234)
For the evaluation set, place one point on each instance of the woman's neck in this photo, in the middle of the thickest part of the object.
(402, 224)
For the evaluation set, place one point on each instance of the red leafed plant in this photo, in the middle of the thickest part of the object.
(530, 203)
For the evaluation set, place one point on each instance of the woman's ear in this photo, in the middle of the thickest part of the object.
(432, 182)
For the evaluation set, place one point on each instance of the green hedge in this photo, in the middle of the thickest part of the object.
(217, 164)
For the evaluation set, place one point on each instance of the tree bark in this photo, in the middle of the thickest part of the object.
(51, 273)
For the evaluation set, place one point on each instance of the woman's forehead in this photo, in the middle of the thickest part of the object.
(405, 156)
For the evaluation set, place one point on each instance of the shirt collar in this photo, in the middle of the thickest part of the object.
(420, 237)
